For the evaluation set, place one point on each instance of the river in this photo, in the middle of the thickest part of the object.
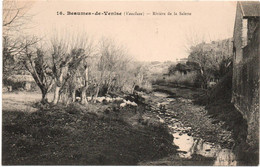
(189, 144)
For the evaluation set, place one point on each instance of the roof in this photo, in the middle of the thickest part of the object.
(250, 8)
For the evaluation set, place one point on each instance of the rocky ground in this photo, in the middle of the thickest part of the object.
(202, 124)
(215, 122)
(179, 103)
(215, 132)
(200, 138)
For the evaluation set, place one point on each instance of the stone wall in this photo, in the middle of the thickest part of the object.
(237, 36)
(246, 87)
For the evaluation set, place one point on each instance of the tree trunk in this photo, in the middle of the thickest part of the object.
(58, 87)
(56, 95)
(73, 95)
(95, 99)
(84, 89)
(84, 96)
(64, 97)
(44, 93)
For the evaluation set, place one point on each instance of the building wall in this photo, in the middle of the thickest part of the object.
(237, 36)
(245, 89)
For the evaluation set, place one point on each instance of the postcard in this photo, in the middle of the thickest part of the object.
(173, 83)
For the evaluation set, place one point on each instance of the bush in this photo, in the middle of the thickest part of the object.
(179, 79)
(19, 85)
(222, 92)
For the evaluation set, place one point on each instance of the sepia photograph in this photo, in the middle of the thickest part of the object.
(140, 83)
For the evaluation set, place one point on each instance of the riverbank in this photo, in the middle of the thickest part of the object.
(195, 107)
(96, 134)
(199, 140)
(211, 117)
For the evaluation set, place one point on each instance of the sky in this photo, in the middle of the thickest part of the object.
(147, 38)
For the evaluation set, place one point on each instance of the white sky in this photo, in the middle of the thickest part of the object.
(148, 38)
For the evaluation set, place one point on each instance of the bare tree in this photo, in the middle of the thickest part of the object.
(65, 63)
(20, 52)
(15, 18)
(34, 60)
(40, 71)
(193, 37)
(112, 60)
(79, 72)
(10, 50)
(139, 75)
(15, 14)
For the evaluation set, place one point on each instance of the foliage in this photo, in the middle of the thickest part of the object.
(179, 67)
(211, 59)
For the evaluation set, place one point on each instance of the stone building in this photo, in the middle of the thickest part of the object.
(246, 55)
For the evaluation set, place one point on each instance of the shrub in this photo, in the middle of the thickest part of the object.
(180, 79)
(18, 85)
(146, 87)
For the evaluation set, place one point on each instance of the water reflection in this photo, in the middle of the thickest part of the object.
(225, 158)
(189, 146)
(160, 94)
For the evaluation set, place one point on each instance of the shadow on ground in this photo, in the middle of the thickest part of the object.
(79, 135)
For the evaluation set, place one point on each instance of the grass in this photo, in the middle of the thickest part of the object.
(95, 134)
(219, 106)
(178, 91)
(21, 101)
(188, 79)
